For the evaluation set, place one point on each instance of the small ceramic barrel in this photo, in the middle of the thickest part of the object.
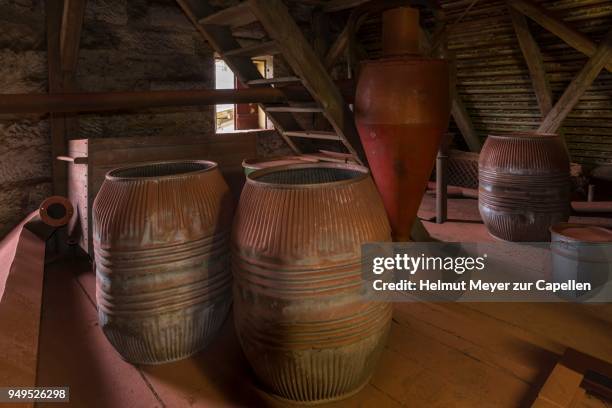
(524, 185)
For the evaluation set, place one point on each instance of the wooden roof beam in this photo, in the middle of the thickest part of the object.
(533, 58)
(553, 121)
(556, 26)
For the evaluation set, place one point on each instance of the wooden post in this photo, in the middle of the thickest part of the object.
(53, 10)
(64, 22)
(553, 121)
(442, 179)
(533, 58)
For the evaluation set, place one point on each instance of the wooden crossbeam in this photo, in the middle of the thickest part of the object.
(552, 122)
(556, 26)
(464, 123)
(533, 59)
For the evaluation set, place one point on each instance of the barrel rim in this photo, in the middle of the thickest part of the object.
(252, 177)
(252, 162)
(558, 228)
(112, 174)
(525, 135)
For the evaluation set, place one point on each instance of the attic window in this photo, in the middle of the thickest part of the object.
(239, 117)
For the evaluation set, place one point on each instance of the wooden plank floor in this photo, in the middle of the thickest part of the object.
(438, 355)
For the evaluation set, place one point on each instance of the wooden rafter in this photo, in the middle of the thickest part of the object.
(458, 111)
(464, 123)
(533, 59)
(552, 122)
(556, 26)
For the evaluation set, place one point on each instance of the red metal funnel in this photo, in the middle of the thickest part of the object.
(402, 110)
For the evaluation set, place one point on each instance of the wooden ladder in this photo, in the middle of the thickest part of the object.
(287, 39)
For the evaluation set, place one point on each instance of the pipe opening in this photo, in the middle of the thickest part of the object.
(56, 211)
(162, 169)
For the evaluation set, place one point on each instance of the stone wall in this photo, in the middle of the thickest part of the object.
(143, 45)
(25, 165)
(125, 45)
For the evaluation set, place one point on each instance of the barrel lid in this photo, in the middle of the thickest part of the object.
(582, 232)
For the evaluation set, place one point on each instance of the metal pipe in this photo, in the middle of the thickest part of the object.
(111, 101)
(105, 101)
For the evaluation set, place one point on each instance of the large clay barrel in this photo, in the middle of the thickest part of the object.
(524, 185)
(161, 242)
(300, 314)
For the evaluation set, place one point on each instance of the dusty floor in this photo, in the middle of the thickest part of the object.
(438, 355)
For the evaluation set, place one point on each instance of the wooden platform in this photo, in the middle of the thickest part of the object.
(438, 355)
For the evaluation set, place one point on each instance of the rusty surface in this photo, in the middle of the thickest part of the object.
(402, 110)
(301, 320)
(400, 31)
(524, 185)
(161, 234)
(56, 211)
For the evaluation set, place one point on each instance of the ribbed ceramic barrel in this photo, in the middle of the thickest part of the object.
(302, 321)
(161, 242)
(524, 185)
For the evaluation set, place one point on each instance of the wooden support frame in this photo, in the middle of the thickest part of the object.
(53, 11)
(553, 121)
(556, 26)
(533, 59)
(64, 24)
(298, 53)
